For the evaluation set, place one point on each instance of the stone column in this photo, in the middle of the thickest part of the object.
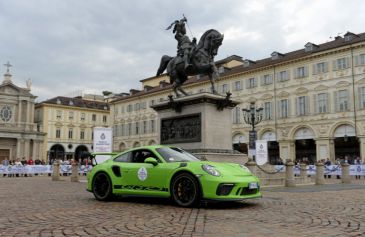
(35, 149)
(322, 149)
(287, 150)
(332, 150)
(345, 173)
(362, 148)
(289, 174)
(18, 148)
(319, 173)
(251, 165)
(56, 171)
(27, 149)
(303, 171)
(75, 172)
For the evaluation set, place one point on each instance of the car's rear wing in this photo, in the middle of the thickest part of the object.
(99, 157)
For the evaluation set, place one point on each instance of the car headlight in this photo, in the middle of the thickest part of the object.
(245, 168)
(210, 170)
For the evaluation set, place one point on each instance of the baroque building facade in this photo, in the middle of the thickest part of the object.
(69, 124)
(19, 135)
(313, 101)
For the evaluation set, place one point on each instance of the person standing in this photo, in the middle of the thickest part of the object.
(5, 163)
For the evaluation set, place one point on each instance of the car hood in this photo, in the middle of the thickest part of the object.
(226, 169)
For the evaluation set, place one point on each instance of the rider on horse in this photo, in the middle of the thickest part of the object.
(184, 45)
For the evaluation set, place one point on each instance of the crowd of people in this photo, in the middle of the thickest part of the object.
(25, 162)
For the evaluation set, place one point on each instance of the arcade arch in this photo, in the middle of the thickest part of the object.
(240, 143)
(305, 145)
(57, 152)
(346, 142)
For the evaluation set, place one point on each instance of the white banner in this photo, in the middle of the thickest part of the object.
(261, 152)
(328, 170)
(103, 142)
(40, 169)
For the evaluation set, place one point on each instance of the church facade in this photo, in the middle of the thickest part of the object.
(19, 135)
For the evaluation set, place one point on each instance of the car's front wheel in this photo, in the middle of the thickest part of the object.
(185, 190)
(102, 187)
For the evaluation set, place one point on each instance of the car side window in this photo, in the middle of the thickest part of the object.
(140, 155)
(126, 157)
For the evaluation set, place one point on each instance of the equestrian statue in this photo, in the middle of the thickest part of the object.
(192, 59)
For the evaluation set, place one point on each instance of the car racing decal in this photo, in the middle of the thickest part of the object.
(142, 174)
(138, 187)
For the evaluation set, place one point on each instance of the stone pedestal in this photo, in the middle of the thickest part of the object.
(75, 173)
(289, 174)
(56, 171)
(303, 171)
(320, 173)
(251, 165)
(345, 173)
(200, 123)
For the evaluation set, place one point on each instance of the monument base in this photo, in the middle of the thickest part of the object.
(201, 124)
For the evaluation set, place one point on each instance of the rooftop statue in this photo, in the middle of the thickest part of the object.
(192, 59)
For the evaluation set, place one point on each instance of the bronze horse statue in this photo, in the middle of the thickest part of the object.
(202, 62)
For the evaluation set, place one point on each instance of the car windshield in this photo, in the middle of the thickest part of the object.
(174, 154)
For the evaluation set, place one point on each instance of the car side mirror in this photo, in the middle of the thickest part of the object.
(151, 160)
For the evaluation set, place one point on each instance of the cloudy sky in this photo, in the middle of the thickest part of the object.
(94, 45)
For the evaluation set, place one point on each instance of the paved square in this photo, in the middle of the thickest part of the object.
(37, 206)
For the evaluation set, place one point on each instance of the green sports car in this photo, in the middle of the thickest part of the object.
(163, 171)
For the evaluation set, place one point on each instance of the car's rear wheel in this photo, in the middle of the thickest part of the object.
(185, 190)
(102, 187)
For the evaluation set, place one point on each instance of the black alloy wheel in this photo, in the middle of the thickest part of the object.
(102, 187)
(185, 190)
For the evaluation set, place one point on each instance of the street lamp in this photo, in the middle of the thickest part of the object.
(252, 116)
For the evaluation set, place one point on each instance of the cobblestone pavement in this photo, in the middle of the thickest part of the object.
(37, 206)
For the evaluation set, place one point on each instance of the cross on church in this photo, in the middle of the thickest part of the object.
(7, 65)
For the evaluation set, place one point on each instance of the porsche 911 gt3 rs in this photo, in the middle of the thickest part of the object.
(163, 171)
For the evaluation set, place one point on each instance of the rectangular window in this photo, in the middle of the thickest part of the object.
(362, 97)
(129, 132)
(82, 116)
(152, 102)
(129, 108)
(104, 119)
(301, 72)
(59, 114)
(283, 76)
(153, 126)
(58, 133)
(70, 133)
(137, 128)
(238, 85)
(122, 109)
(251, 83)
(224, 88)
(237, 115)
(93, 118)
(341, 63)
(361, 59)
(144, 127)
(283, 108)
(302, 105)
(322, 103)
(342, 100)
(267, 111)
(71, 115)
(266, 79)
(320, 68)
(137, 106)
(82, 134)
(122, 128)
